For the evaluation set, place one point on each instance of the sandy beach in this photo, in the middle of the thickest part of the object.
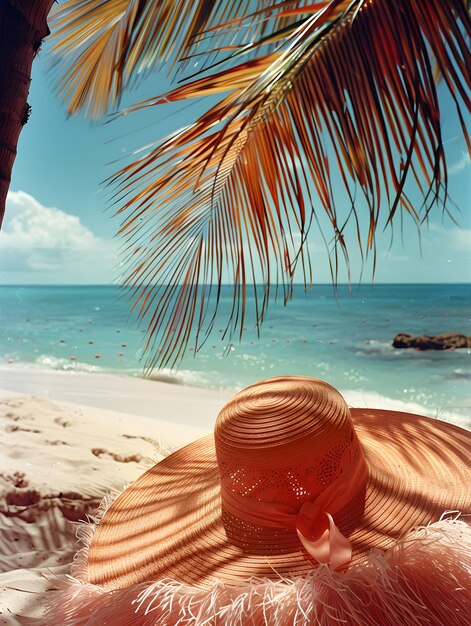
(68, 439)
(58, 459)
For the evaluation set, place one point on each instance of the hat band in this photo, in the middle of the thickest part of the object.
(313, 521)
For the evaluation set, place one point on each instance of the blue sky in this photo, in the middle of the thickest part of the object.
(59, 228)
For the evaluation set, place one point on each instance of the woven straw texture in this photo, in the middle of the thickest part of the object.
(282, 440)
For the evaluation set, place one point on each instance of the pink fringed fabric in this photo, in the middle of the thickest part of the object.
(425, 579)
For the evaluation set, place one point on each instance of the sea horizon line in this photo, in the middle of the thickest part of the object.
(273, 286)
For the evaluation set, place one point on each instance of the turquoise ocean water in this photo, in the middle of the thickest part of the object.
(346, 341)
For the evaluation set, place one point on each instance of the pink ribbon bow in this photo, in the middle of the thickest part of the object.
(313, 521)
(320, 536)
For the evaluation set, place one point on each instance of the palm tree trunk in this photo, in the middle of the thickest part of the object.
(23, 26)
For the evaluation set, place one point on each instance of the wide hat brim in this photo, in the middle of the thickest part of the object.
(168, 523)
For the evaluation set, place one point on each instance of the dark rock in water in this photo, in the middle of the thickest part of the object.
(402, 340)
(446, 341)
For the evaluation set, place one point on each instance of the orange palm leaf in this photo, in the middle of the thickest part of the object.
(235, 193)
(101, 46)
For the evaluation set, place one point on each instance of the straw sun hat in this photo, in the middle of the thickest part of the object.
(298, 510)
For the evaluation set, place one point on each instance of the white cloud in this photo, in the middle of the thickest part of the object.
(49, 241)
(461, 239)
(395, 258)
(457, 239)
(458, 166)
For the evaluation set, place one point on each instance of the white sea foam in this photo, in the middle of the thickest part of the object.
(460, 374)
(455, 415)
(180, 377)
(376, 347)
(65, 365)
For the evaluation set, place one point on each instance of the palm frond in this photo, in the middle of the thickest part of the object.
(102, 46)
(235, 192)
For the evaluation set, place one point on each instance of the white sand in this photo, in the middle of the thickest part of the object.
(69, 439)
(134, 395)
(57, 461)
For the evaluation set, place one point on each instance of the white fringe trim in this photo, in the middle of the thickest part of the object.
(85, 532)
(423, 580)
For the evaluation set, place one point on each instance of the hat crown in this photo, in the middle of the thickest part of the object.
(284, 440)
